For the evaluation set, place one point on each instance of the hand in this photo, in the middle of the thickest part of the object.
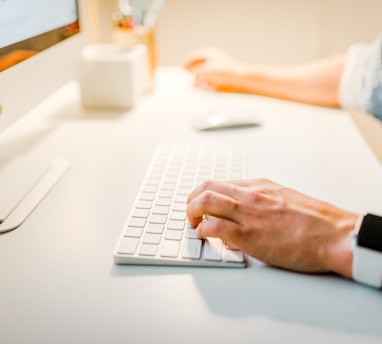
(275, 224)
(215, 70)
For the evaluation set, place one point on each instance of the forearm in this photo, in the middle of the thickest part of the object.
(314, 83)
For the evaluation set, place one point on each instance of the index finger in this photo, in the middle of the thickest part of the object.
(205, 201)
(193, 61)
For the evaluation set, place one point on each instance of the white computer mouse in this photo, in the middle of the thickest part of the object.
(225, 119)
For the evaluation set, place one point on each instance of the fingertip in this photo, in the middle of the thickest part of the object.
(193, 222)
(187, 65)
(192, 63)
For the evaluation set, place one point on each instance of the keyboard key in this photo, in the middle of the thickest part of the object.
(171, 234)
(178, 216)
(184, 191)
(165, 194)
(180, 199)
(158, 219)
(161, 210)
(147, 196)
(213, 249)
(137, 222)
(179, 207)
(192, 248)
(128, 245)
(142, 213)
(177, 225)
(186, 184)
(155, 181)
(234, 256)
(144, 205)
(191, 233)
(149, 188)
(149, 238)
(170, 248)
(163, 201)
(168, 186)
(170, 180)
(148, 250)
(135, 232)
(155, 228)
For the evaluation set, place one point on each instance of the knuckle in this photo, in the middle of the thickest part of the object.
(234, 205)
(206, 197)
(206, 185)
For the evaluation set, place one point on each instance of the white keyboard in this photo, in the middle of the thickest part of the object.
(157, 231)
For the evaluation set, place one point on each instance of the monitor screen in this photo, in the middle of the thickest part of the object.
(27, 27)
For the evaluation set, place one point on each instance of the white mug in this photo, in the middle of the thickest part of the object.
(113, 76)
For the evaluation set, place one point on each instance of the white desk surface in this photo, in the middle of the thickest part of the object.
(59, 283)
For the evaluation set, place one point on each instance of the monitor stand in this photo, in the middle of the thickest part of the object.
(23, 183)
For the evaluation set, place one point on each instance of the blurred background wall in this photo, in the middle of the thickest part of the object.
(264, 31)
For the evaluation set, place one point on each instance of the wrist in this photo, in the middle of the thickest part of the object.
(340, 254)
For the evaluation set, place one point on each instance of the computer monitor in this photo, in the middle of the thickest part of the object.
(40, 47)
(38, 44)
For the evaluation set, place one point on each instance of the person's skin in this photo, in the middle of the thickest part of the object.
(315, 82)
(275, 224)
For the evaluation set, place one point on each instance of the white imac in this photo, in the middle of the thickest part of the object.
(40, 46)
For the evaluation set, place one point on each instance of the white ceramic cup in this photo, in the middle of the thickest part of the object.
(113, 76)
